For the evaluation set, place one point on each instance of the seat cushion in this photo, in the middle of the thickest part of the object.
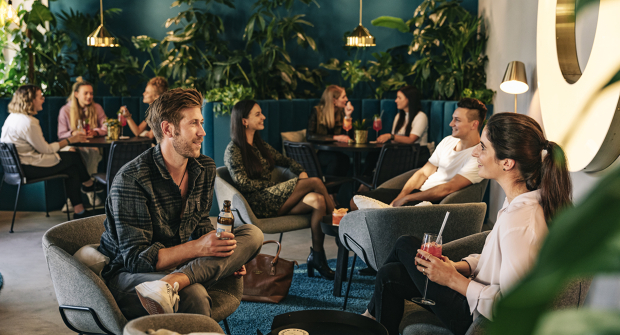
(92, 258)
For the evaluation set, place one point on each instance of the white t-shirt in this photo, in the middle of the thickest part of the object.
(449, 163)
(419, 126)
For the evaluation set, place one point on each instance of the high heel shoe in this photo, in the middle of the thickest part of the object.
(318, 261)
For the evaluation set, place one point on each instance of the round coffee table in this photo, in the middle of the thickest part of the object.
(326, 322)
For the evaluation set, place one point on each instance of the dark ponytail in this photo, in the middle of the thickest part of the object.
(520, 138)
(252, 164)
(415, 106)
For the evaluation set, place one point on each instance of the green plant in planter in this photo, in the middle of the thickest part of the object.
(360, 125)
(228, 96)
(449, 43)
(272, 73)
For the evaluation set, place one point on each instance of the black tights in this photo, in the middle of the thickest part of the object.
(70, 164)
(399, 279)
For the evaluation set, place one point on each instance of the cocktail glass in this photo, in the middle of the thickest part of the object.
(377, 125)
(431, 244)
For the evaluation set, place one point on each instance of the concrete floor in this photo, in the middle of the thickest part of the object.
(27, 300)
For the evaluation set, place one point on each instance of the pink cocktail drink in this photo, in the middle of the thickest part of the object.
(122, 120)
(432, 248)
(86, 125)
(377, 125)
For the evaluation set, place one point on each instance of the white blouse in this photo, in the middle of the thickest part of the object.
(508, 254)
(419, 127)
(25, 132)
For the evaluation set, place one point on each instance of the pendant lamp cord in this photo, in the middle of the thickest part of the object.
(360, 12)
(101, 10)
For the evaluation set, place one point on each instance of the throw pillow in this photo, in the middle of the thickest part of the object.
(92, 258)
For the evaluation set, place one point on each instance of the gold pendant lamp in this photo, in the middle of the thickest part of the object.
(360, 36)
(7, 12)
(101, 37)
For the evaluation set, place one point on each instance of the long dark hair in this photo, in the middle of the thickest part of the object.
(415, 106)
(252, 164)
(519, 137)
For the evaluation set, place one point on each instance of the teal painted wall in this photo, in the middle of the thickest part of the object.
(331, 20)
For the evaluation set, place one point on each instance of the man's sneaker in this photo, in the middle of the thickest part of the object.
(158, 297)
(68, 208)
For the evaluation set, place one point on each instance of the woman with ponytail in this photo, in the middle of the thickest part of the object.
(534, 176)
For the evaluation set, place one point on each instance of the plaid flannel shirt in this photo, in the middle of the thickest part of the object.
(143, 211)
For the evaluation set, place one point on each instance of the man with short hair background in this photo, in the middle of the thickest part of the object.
(451, 166)
(163, 248)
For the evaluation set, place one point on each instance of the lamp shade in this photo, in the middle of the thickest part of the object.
(101, 37)
(7, 13)
(515, 80)
(360, 38)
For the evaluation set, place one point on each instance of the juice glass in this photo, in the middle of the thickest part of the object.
(347, 124)
(431, 244)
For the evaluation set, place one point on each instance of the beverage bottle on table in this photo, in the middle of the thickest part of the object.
(225, 220)
(80, 128)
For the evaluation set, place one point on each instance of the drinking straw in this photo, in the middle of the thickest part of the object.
(443, 225)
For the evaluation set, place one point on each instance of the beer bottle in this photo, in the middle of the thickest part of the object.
(225, 220)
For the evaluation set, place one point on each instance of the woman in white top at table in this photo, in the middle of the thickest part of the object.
(39, 158)
(534, 176)
(410, 127)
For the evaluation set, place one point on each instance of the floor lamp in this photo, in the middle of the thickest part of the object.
(515, 80)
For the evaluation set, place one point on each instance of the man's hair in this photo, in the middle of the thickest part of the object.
(168, 106)
(160, 84)
(477, 110)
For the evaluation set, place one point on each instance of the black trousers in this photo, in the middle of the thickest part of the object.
(70, 164)
(399, 279)
(334, 164)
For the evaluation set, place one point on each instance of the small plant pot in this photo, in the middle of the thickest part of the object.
(361, 136)
(113, 133)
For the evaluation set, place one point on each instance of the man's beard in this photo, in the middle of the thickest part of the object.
(183, 147)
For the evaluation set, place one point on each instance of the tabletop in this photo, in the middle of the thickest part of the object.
(354, 147)
(102, 142)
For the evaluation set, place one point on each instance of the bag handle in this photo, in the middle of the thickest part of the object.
(275, 259)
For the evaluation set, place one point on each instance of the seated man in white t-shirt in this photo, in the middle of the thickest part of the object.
(450, 168)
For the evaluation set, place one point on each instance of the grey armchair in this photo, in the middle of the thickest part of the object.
(86, 304)
(371, 233)
(225, 190)
(471, 193)
(419, 321)
(180, 323)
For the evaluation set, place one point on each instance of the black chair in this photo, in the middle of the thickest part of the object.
(121, 153)
(14, 175)
(394, 159)
(304, 154)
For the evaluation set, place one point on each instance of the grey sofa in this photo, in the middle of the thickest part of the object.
(371, 233)
(471, 193)
(180, 323)
(419, 321)
(225, 190)
(86, 303)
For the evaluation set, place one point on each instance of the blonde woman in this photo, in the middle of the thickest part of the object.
(81, 109)
(326, 124)
(154, 88)
(38, 157)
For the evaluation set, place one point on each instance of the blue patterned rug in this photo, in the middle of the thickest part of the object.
(305, 293)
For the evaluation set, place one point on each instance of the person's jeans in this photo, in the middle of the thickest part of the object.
(399, 279)
(202, 272)
(70, 164)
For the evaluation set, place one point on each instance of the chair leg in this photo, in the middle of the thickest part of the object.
(346, 295)
(47, 212)
(19, 186)
(94, 193)
(281, 238)
(64, 189)
(227, 328)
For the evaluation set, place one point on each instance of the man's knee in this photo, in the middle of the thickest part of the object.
(407, 242)
(255, 240)
(194, 299)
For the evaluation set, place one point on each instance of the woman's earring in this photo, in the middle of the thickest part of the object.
(246, 126)
(504, 169)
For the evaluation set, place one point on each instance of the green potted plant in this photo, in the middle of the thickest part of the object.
(361, 131)
(114, 129)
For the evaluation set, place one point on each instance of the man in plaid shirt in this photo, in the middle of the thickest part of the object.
(163, 249)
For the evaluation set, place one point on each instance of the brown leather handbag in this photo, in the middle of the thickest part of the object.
(268, 278)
